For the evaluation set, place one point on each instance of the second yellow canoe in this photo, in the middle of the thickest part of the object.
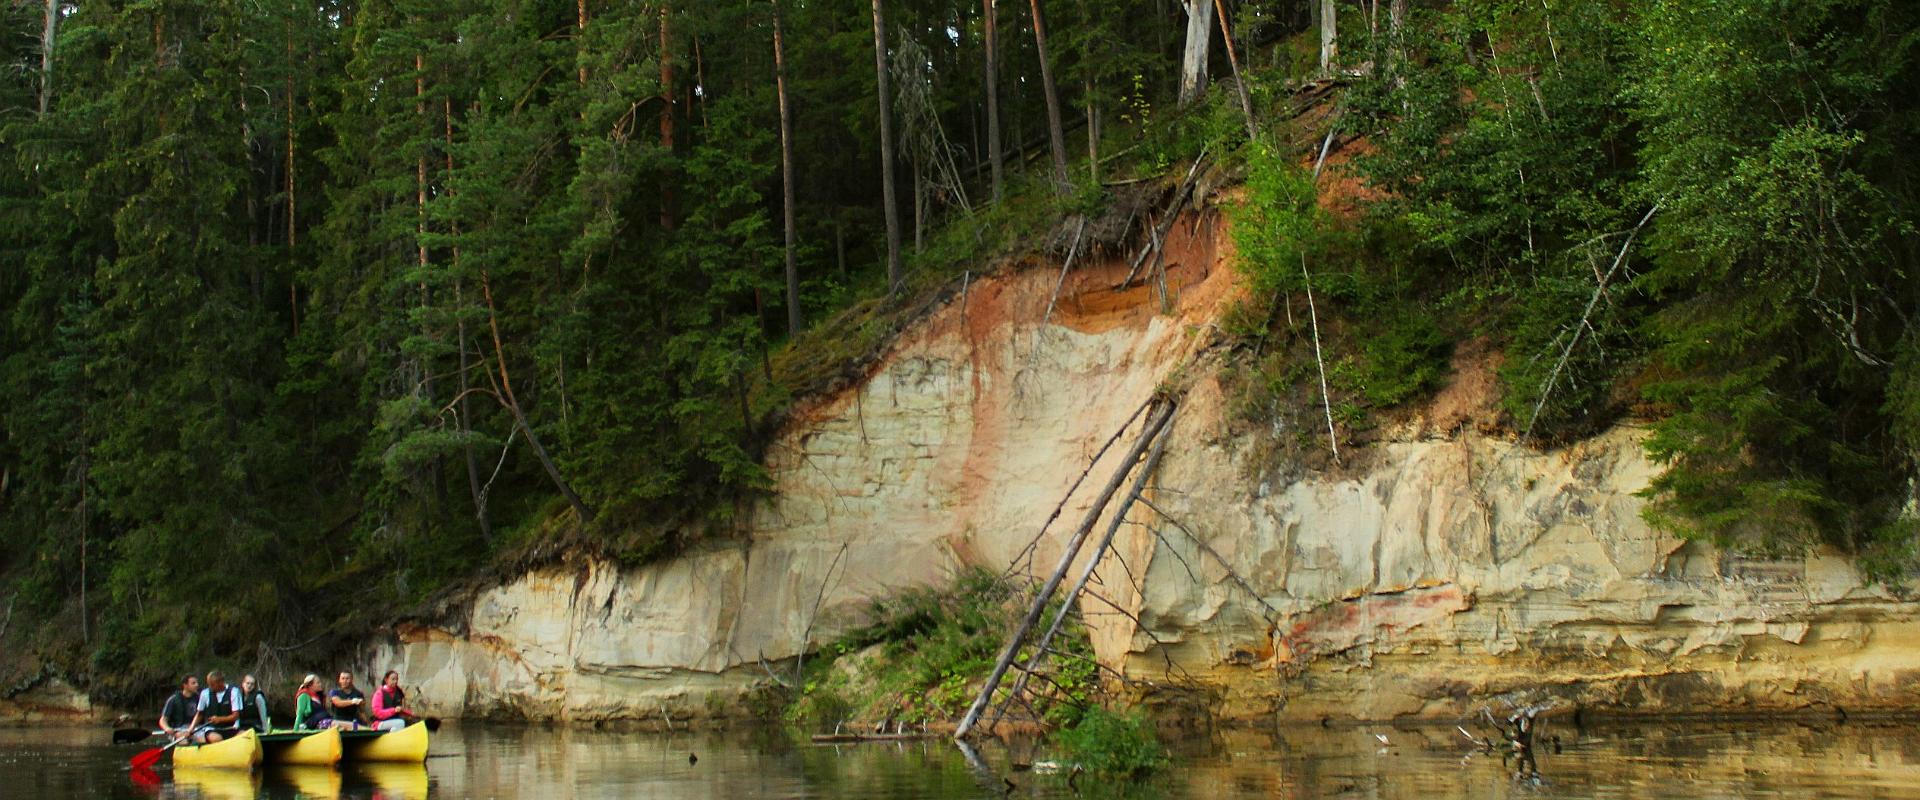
(319, 748)
(239, 752)
(409, 744)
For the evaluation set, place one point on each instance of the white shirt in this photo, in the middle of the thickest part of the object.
(233, 699)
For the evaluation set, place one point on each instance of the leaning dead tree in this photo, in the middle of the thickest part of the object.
(925, 141)
(1156, 423)
(1585, 324)
(1042, 645)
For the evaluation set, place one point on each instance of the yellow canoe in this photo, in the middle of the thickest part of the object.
(217, 783)
(319, 748)
(408, 745)
(239, 752)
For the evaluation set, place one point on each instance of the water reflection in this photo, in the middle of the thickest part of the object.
(1698, 759)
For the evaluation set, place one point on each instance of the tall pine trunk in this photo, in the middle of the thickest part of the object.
(886, 146)
(994, 157)
(420, 208)
(580, 37)
(293, 241)
(1093, 136)
(464, 415)
(1193, 60)
(1239, 77)
(666, 112)
(52, 21)
(786, 171)
(1056, 132)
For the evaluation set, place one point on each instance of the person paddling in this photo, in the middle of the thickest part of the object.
(310, 706)
(346, 704)
(219, 709)
(181, 714)
(390, 710)
(253, 706)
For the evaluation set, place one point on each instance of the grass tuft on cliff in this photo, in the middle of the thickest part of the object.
(923, 656)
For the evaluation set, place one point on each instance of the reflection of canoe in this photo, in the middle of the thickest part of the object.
(314, 783)
(398, 781)
(319, 748)
(216, 783)
(409, 744)
(239, 752)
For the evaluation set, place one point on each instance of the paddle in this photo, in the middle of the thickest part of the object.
(145, 759)
(432, 723)
(131, 735)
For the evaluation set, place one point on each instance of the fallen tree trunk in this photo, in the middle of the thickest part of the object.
(1072, 549)
(1086, 572)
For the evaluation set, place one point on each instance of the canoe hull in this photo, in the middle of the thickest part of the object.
(239, 752)
(407, 745)
(316, 749)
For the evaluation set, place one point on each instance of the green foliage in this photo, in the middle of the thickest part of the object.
(356, 292)
(300, 287)
(1112, 745)
(1703, 212)
(1777, 138)
(924, 652)
(1382, 344)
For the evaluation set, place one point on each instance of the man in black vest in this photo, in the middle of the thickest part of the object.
(181, 714)
(219, 709)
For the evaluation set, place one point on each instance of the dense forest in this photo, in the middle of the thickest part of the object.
(312, 309)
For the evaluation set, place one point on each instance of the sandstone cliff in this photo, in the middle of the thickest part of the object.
(1439, 568)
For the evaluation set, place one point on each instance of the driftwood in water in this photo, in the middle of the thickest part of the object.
(854, 738)
(1072, 549)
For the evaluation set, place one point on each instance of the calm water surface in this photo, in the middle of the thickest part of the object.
(1694, 759)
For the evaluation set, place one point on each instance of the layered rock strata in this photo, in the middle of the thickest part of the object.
(1441, 567)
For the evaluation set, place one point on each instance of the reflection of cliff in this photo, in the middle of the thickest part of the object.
(1449, 567)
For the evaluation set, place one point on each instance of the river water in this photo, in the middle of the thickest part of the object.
(1691, 759)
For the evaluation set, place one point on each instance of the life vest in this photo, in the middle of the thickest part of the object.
(395, 697)
(217, 705)
(178, 710)
(250, 708)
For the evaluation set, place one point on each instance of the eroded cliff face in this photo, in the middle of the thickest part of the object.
(1438, 568)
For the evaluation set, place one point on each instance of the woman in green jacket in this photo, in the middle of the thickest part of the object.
(310, 706)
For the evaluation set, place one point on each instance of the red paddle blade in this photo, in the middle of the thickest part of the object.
(145, 759)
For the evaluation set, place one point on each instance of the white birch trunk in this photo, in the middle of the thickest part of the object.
(1193, 63)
